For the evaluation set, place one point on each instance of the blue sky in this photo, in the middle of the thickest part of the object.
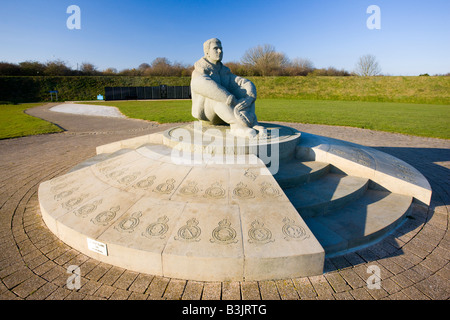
(414, 37)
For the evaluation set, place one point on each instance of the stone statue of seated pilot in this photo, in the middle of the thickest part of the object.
(220, 97)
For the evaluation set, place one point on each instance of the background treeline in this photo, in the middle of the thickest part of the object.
(159, 67)
(22, 89)
(274, 74)
(162, 67)
(262, 60)
(433, 90)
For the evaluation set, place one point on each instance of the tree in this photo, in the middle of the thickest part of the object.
(161, 67)
(367, 66)
(57, 68)
(110, 71)
(144, 68)
(238, 68)
(9, 69)
(300, 67)
(32, 68)
(330, 71)
(129, 72)
(265, 60)
(88, 69)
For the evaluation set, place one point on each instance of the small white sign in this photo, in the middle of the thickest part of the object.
(97, 246)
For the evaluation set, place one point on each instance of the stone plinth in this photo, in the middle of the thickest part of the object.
(196, 203)
(158, 212)
(208, 140)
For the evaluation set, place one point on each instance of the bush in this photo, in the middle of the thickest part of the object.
(331, 72)
(434, 90)
(74, 88)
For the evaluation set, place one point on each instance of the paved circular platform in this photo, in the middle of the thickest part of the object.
(33, 265)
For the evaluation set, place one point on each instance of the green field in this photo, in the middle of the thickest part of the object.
(428, 90)
(428, 120)
(411, 105)
(15, 123)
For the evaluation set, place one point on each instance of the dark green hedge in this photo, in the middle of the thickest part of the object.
(435, 90)
(34, 89)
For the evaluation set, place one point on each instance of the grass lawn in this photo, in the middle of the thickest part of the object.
(15, 123)
(429, 120)
(428, 90)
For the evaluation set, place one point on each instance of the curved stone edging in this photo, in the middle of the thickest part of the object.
(382, 169)
(191, 196)
(97, 201)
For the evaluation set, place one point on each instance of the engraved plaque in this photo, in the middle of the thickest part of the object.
(292, 231)
(157, 229)
(145, 183)
(87, 209)
(106, 216)
(190, 189)
(268, 190)
(129, 224)
(224, 233)
(190, 231)
(216, 191)
(259, 234)
(97, 246)
(242, 191)
(165, 187)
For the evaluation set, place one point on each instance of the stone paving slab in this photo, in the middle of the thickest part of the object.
(413, 260)
(90, 110)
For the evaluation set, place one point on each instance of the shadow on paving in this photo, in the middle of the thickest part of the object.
(425, 160)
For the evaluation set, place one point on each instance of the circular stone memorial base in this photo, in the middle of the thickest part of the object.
(197, 203)
(209, 141)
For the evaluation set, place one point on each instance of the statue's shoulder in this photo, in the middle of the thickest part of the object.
(203, 66)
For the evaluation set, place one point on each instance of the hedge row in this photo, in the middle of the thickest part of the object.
(77, 88)
(433, 90)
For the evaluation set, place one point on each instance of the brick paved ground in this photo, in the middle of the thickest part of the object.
(414, 260)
